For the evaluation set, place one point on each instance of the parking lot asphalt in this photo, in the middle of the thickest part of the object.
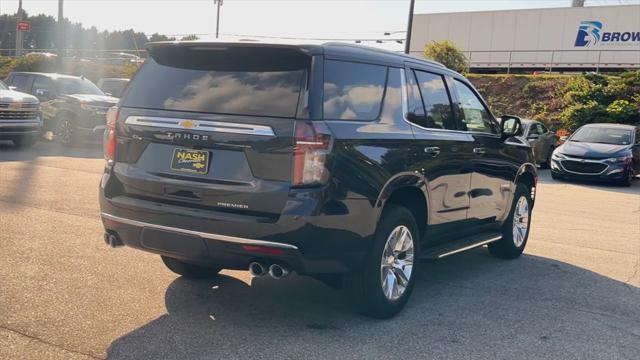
(64, 294)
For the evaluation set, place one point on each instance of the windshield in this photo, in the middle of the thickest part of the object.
(3, 86)
(603, 135)
(77, 86)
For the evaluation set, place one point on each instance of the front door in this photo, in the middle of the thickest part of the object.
(493, 173)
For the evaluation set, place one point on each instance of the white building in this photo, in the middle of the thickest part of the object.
(599, 37)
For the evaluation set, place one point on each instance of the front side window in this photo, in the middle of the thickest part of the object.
(41, 83)
(436, 101)
(353, 91)
(476, 117)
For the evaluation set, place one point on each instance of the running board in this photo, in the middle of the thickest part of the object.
(450, 248)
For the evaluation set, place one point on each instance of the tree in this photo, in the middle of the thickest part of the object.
(189, 37)
(160, 37)
(447, 53)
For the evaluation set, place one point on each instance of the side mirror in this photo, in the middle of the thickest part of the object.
(533, 136)
(510, 126)
(42, 94)
(564, 138)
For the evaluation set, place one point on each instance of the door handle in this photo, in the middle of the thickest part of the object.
(479, 151)
(433, 151)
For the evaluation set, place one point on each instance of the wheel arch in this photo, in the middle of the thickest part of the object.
(528, 175)
(409, 190)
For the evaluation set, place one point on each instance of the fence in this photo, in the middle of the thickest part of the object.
(552, 59)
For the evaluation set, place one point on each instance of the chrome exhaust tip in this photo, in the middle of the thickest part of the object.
(112, 240)
(256, 269)
(278, 272)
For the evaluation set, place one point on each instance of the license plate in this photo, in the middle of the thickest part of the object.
(193, 161)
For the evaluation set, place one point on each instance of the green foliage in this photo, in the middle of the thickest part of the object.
(45, 35)
(598, 98)
(579, 114)
(447, 53)
(189, 38)
(91, 70)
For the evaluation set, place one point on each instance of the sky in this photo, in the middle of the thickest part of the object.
(324, 19)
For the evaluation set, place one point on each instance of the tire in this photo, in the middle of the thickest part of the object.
(511, 246)
(628, 180)
(555, 177)
(65, 132)
(370, 296)
(547, 163)
(189, 270)
(25, 142)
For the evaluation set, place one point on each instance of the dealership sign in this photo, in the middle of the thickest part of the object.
(590, 33)
(23, 26)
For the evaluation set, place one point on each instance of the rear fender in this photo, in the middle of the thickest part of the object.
(399, 181)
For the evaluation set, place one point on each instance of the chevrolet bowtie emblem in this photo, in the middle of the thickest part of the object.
(188, 124)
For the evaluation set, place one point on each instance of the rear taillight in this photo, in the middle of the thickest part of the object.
(312, 145)
(109, 143)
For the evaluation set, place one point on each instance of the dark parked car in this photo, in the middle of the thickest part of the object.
(542, 141)
(74, 109)
(603, 152)
(340, 162)
(20, 118)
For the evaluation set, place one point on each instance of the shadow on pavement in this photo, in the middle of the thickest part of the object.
(544, 177)
(466, 306)
(9, 152)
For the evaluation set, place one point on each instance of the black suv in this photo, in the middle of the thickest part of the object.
(335, 161)
(74, 109)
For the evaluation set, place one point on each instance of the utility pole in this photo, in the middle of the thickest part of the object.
(60, 37)
(19, 33)
(407, 44)
(219, 3)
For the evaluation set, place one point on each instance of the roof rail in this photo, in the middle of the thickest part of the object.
(382, 51)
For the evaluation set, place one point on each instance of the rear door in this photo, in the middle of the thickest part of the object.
(444, 150)
(212, 128)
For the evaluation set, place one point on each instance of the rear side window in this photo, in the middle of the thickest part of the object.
(353, 91)
(238, 81)
(436, 101)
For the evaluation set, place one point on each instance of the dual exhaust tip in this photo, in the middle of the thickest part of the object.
(276, 271)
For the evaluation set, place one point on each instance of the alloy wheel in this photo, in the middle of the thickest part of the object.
(397, 262)
(520, 221)
(64, 131)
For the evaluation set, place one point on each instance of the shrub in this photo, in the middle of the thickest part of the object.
(577, 115)
(622, 111)
(447, 53)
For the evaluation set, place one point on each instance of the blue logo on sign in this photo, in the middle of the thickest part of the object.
(588, 33)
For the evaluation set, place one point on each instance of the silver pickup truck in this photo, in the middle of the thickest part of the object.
(20, 117)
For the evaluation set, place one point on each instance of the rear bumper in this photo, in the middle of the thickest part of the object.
(308, 241)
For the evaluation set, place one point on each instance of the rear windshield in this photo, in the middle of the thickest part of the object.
(260, 82)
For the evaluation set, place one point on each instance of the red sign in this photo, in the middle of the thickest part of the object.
(23, 26)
